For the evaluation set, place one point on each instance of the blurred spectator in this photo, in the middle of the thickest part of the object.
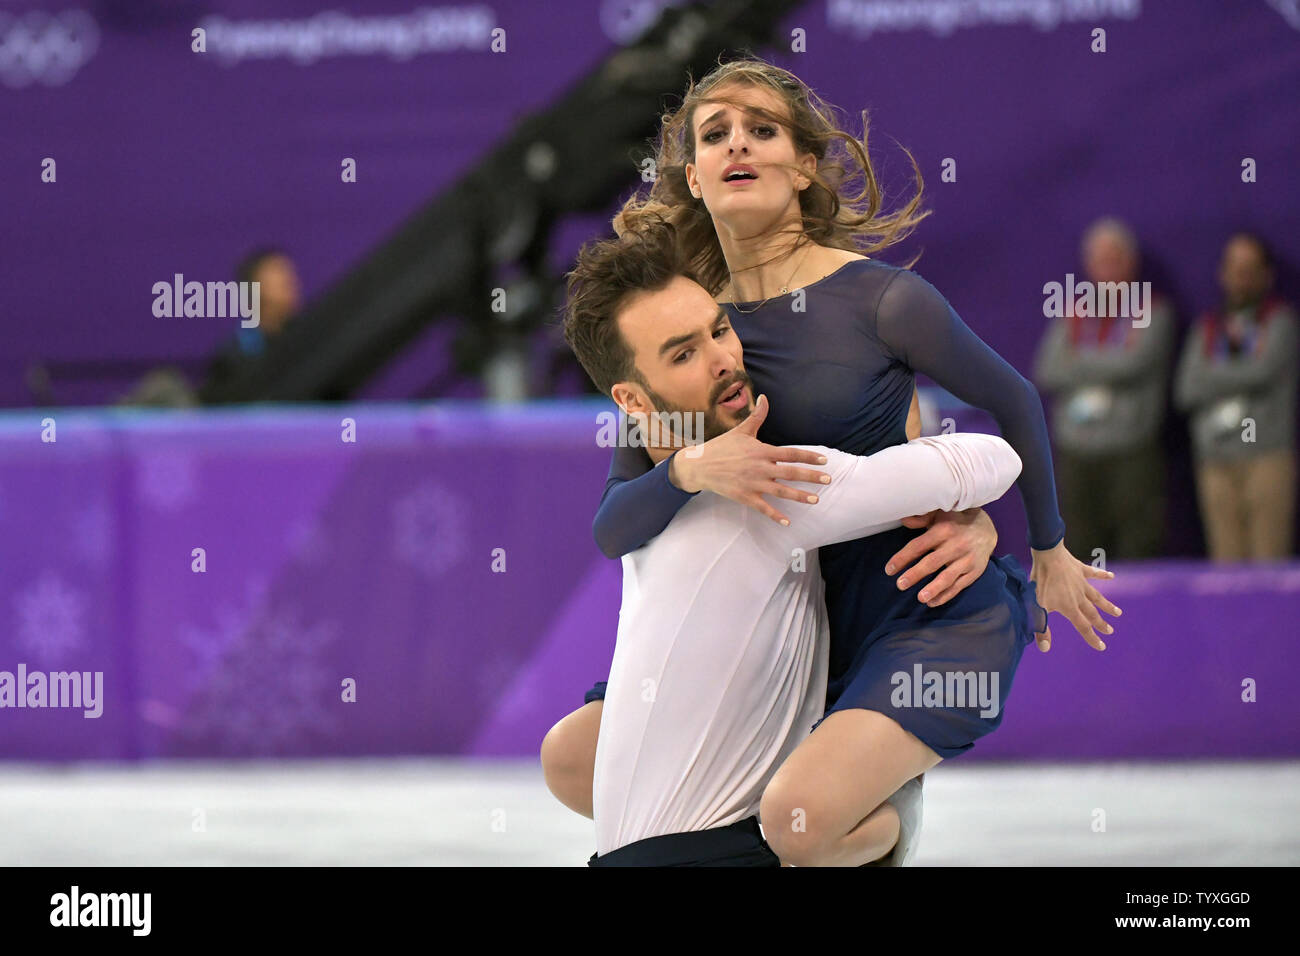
(1237, 379)
(161, 388)
(279, 300)
(1107, 375)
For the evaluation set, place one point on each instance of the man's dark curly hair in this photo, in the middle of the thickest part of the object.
(609, 272)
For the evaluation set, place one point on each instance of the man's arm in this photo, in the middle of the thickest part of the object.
(1247, 372)
(870, 494)
(1147, 355)
(956, 544)
(638, 502)
(1188, 378)
(1052, 364)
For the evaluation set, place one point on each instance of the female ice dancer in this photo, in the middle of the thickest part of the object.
(754, 172)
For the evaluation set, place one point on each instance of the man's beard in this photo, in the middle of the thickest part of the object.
(713, 423)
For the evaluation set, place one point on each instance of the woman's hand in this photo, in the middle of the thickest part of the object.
(1062, 583)
(738, 466)
(959, 544)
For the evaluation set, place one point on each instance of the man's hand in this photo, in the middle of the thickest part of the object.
(738, 466)
(1062, 583)
(959, 542)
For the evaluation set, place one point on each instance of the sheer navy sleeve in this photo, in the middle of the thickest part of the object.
(918, 326)
(638, 503)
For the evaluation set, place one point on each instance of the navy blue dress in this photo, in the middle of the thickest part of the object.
(841, 374)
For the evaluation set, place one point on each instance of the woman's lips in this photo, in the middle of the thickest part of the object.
(749, 172)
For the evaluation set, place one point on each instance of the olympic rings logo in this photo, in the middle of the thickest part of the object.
(39, 47)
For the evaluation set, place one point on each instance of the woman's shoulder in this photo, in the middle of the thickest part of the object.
(838, 257)
(846, 262)
(868, 278)
(889, 296)
(840, 267)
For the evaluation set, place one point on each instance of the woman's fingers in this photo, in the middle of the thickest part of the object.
(785, 491)
(1090, 572)
(791, 473)
(1080, 623)
(1103, 602)
(787, 453)
(762, 507)
(755, 418)
(1089, 611)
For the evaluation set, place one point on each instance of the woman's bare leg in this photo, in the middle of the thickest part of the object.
(824, 806)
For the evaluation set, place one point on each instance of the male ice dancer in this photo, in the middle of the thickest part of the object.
(720, 664)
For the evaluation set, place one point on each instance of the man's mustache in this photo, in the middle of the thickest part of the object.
(742, 378)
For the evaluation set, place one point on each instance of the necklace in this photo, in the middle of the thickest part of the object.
(785, 289)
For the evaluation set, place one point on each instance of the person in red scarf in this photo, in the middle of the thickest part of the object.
(1237, 380)
(1107, 374)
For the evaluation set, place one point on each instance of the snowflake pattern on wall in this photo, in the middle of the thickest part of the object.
(167, 481)
(209, 646)
(50, 619)
(429, 529)
(264, 684)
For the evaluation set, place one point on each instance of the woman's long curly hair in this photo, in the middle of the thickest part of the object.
(832, 214)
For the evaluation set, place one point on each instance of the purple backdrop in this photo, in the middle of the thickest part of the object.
(170, 161)
(377, 561)
(372, 560)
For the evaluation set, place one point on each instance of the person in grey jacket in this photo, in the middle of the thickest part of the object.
(1107, 369)
(1237, 379)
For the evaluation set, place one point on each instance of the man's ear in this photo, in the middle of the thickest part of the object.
(629, 398)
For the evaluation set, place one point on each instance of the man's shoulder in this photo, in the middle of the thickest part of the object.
(1280, 308)
(703, 531)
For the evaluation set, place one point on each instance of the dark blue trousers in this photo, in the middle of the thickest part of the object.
(740, 844)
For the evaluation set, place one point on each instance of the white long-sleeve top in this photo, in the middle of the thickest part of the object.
(719, 669)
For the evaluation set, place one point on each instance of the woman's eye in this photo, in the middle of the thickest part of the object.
(766, 132)
(722, 331)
